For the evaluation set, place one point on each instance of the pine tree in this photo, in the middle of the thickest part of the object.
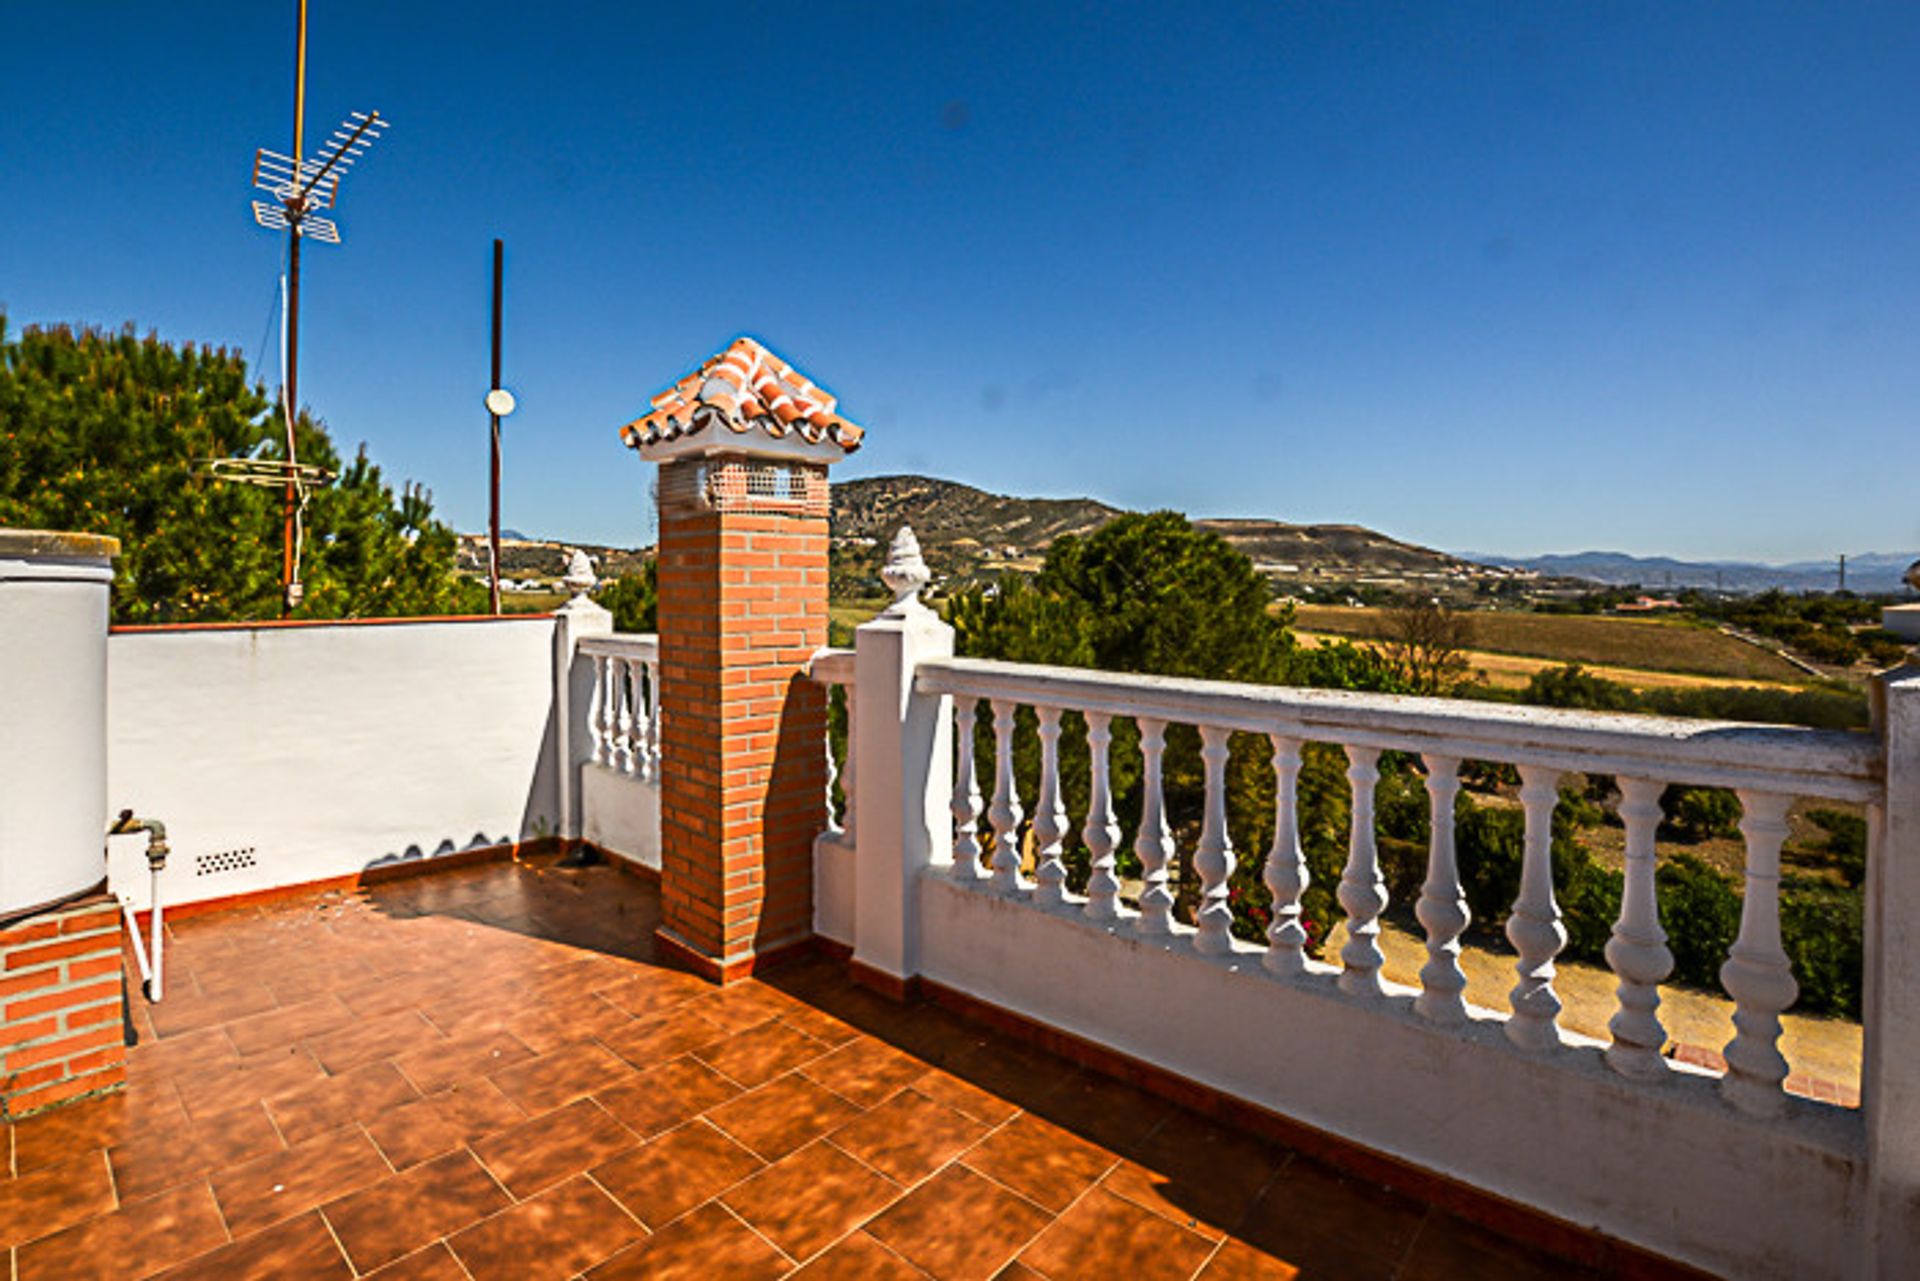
(110, 434)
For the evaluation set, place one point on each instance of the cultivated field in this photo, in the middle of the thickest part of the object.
(1642, 644)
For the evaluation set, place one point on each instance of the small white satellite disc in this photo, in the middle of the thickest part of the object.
(499, 402)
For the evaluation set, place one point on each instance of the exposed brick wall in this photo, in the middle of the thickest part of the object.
(743, 606)
(62, 1007)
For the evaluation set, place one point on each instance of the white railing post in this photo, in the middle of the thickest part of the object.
(904, 743)
(1638, 949)
(1757, 974)
(966, 795)
(1153, 842)
(596, 708)
(1049, 814)
(1102, 831)
(1004, 814)
(1442, 908)
(1534, 928)
(1213, 856)
(574, 741)
(1890, 1060)
(1286, 872)
(1362, 893)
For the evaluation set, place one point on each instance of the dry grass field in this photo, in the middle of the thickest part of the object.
(1640, 644)
(1512, 671)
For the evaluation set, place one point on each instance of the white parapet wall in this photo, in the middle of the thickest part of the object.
(280, 755)
(621, 814)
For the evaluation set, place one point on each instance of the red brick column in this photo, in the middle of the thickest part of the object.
(63, 1030)
(743, 606)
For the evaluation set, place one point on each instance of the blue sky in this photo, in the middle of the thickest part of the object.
(1516, 278)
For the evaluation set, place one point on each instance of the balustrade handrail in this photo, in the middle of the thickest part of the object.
(1832, 764)
(624, 644)
(831, 666)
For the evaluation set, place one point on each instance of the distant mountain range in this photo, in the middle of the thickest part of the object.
(1869, 572)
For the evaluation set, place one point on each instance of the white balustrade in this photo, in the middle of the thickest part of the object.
(1213, 857)
(1442, 908)
(1153, 843)
(1286, 872)
(966, 795)
(833, 668)
(1101, 835)
(1757, 974)
(623, 713)
(597, 709)
(1638, 949)
(1049, 814)
(1534, 926)
(1363, 894)
(1005, 814)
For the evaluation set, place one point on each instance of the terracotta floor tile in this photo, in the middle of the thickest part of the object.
(665, 1095)
(1106, 1235)
(394, 1217)
(247, 1081)
(1238, 1261)
(859, 1258)
(653, 991)
(660, 1037)
(909, 1136)
(371, 1040)
(167, 1155)
(571, 1072)
(439, 1123)
(1040, 1161)
(280, 1185)
(189, 1052)
(1448, 1247)
(66, 1132)
(300, 1249)
(435, 1263)
(350, 1098)
(959, 1226)
(288, 1023)
(381, 996)
(1315, 1218)
(1101, 1110)
(741, 1007)
(1197, 1173)
(818, 1024)
(141, 1237)
(558, 1022)
(462, 1058)
(54, 1197)
(864, 1071)
(782, 1115)
(759, 1054)
(675, 1172)
(186, 1011)
(962, 1096)
(563, 1230)
(553, 1146)
(811, 1199)
(708, 1243)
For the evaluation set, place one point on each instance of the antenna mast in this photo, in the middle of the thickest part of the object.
(301, 186)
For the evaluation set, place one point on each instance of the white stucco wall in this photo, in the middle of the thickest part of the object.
(621, 814)
(318, 751)
(1669, 1167)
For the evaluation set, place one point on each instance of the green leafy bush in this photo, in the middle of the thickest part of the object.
(1701, 813)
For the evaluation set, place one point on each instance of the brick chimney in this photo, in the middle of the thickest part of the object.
(743, 445)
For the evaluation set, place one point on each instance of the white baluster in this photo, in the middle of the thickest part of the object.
(1638, 949)
(1102, 831)
(1757, 973)
(623, 705)
(1005, 814)
(1213, 856)
(833, 767)
(1286, 872)
(1362, 891)
(1442, 908)
(850, 831)
(653, 718)
(597, 710)
(1534, 928)
(1153, 843)
(966, 795)
(1049, 815)
(636, 695)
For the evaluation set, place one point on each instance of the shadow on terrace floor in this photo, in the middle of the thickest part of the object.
(482, 1073)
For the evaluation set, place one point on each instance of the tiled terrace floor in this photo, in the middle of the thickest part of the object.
(482, 1073)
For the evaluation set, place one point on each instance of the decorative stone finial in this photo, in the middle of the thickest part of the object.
(580, 577)
(905, 574)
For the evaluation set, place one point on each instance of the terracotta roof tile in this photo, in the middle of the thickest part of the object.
(745, 388)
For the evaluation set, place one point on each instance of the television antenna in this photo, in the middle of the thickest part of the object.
(301, 186)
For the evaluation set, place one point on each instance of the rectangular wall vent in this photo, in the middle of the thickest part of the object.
(224, 861)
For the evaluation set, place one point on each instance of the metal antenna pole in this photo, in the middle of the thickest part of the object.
(493, 519)
(295, 207)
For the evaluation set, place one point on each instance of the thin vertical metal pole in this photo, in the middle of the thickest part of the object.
(292, 371)
(493, 522)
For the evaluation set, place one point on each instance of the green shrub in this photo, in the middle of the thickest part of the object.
(1700, 910)
(1821, 928)
(1701, 813)
(1846, 842)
